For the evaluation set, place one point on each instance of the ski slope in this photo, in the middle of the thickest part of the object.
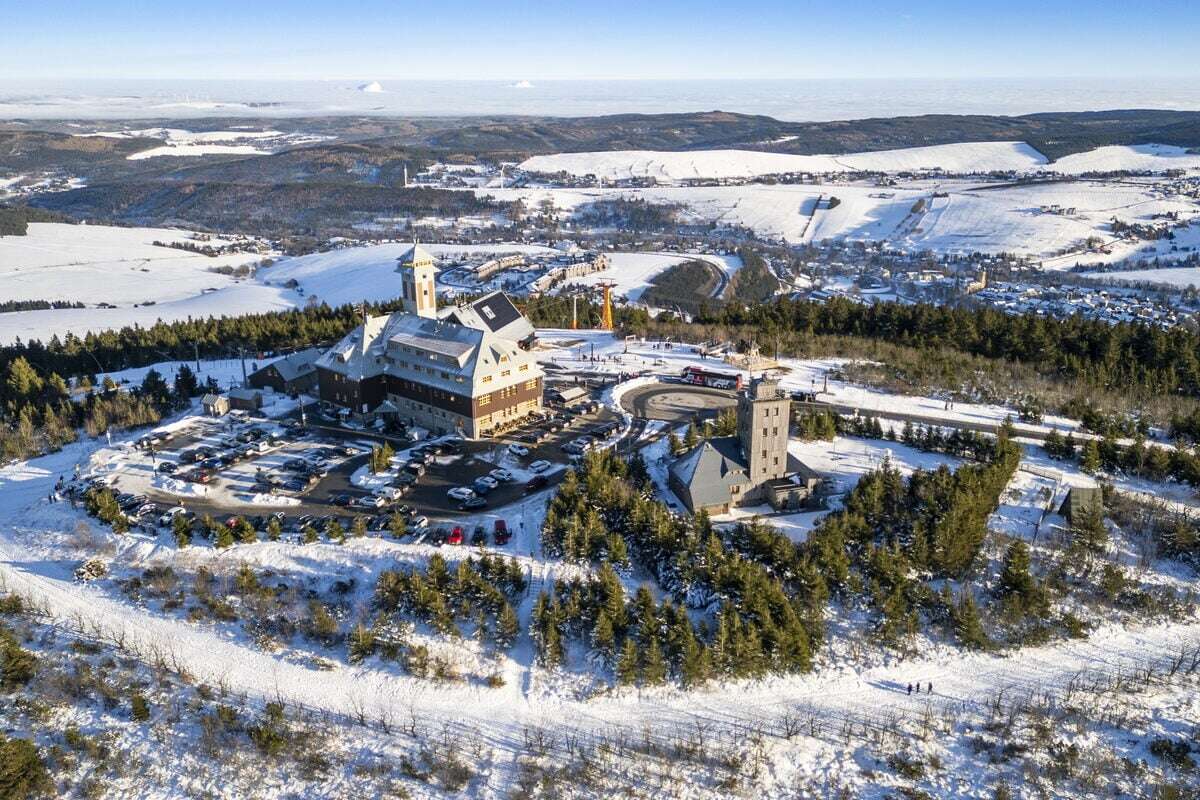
(966, 157)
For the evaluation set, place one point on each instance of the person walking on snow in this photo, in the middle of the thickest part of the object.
(910, 688)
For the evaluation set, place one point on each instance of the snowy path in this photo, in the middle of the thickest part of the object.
(838, 692)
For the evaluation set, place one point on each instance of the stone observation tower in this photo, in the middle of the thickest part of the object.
(762, 418)
(419, 294)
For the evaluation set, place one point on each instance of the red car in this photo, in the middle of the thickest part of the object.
(456, 535)
(500, 534)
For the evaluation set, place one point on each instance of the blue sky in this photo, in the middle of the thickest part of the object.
(473, 39)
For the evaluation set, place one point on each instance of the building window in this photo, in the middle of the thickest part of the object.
(505, 373)
(523, 368)
(485, 400)
(486, 379)
(531, 384)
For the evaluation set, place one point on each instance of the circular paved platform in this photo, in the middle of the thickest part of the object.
(676, 402)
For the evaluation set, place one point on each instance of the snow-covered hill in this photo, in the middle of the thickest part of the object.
(677, 166)
(961, 158)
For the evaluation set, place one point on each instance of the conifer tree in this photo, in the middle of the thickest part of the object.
(627, 664)
(654, 666)
(223, 537)
(308, 534)
(397, 525)
(1089, 458)
(358, 528)
(274, 529)
(692, 437)
(181, 526)
(968, 628)
(603, 638)
(245, 532)
(507, 627)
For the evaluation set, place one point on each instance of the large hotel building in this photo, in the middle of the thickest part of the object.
(464, 369)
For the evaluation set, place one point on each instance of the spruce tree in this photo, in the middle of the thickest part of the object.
(1089, 459)
(245, 532)
(397, 525)
(358, 528)
(274, 529)
(309, 534)
(968, 628)
(507, 627)
(223, 538)
(182, 528)
(627, 664)
(692, 437)
(654, 666)
(603, 638)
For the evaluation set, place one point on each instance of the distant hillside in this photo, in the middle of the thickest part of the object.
(269, 210)
(1055, 135)
(329, 186)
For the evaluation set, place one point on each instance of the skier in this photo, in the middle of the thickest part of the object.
(918, 687)
(930, 691)
(910, 688)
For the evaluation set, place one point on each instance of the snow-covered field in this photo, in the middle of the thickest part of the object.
(1183, 277)
(678, 166)
(960, 158)
(96, 263)
(181, 142)
(968, 218)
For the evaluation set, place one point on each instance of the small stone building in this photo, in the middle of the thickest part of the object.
(246, 398)
(215, 405)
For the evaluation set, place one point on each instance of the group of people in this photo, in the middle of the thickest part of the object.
(917, 686)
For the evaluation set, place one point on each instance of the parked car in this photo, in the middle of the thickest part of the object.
(536, 482)
(541, 465)
(342, 499)
(419, 523)
(370, 501)
(461, 493)
(517, 450)
(479, 536)
(455, 536)
(488, 481)
(473, 504)
(168, 467)
(415, 468)
(405, 479)
(500, 474)
(500, 534)
(168, 516)
(389, 492)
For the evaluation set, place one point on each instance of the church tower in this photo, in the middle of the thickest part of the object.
(419, 293)
(763, 417)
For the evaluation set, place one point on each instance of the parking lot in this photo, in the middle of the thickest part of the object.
(253, 468)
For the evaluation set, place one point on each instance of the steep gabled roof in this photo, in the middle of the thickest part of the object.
(494, 313)
(710, 469)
